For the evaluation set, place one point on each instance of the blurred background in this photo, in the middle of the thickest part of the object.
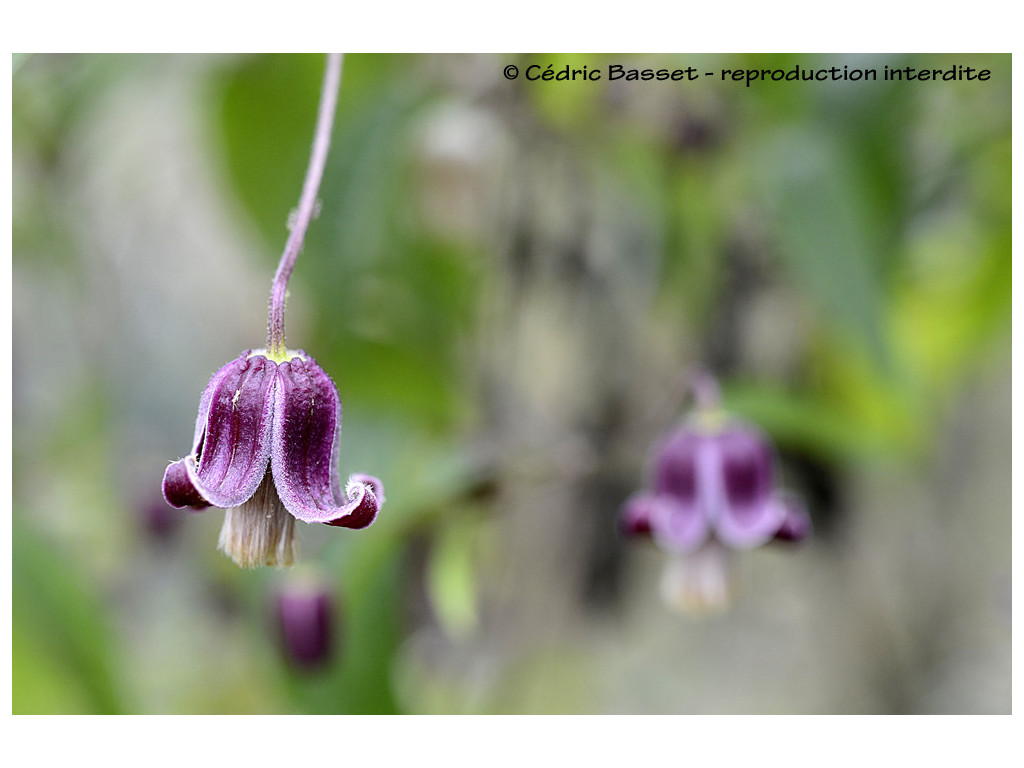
(509, 282)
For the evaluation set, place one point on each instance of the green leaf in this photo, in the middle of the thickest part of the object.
(825, 235)
(822, 425)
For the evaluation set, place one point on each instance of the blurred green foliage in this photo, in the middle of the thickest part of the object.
(884, 210)
(64, 649)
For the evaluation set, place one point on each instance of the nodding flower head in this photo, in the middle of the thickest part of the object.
(265, 449)
(266, 440)
(712, 493)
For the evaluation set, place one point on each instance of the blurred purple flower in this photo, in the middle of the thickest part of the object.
(712, 493)
(305, 616)
(159, 522)
(265, 449)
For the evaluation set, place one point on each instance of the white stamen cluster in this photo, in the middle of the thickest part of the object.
(260, 531)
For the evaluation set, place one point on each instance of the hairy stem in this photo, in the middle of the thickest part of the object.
(307, 203)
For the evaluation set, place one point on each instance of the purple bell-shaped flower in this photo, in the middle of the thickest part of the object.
(712, 493)
(265, 449)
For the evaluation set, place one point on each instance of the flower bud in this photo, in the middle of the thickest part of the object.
(305, 617)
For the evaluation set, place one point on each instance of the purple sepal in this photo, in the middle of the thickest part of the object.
(747, 464)
(232, 439)
(750, 514)
(677, 465)
(750, 527)
(635, 518)
(178, 489)
(303, 458)
(678, 526)
(796, 524)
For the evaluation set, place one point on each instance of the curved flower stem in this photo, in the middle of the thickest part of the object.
(307, 204)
